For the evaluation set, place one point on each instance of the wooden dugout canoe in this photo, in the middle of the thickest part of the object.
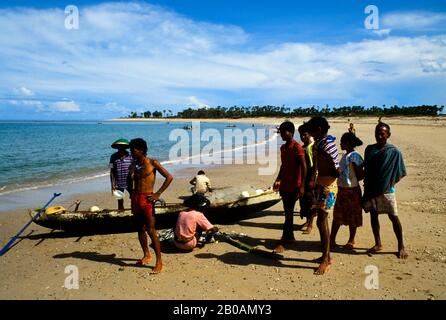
(107, 221)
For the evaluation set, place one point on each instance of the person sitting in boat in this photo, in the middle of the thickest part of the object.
(191, 223)
(120, 162)
(201, 184)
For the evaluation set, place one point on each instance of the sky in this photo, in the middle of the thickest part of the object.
(88, 60)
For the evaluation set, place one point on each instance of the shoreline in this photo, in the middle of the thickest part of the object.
(219, 271)
(13, 199)
(395, 120)
(98, 176)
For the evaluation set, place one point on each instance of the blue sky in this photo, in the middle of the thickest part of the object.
(171, 54)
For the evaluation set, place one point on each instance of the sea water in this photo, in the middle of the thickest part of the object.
(38, 155)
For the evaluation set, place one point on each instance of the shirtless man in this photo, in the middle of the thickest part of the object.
(141, 179)
(323, 183)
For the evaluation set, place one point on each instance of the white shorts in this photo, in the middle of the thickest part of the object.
(383, 204)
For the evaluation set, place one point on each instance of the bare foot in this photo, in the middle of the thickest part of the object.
(402, 254)
(157, 268)
(324, 267)
(308, 230)
(375, 249)
(279, 248)
(321, 259)
(302, 226)
(350, 245)
(144, 261)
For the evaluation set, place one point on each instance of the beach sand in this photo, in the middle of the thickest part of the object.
(35, 267)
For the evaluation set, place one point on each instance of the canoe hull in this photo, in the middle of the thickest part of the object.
(110, 221)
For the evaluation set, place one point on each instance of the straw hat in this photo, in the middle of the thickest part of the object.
(120, 143)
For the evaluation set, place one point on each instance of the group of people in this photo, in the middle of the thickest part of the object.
(311, 173)
(135, 172)
(314, 175)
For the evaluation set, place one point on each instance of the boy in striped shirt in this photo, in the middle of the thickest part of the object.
(323, 183)
(120, 162)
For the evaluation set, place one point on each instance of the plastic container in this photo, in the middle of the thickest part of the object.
(244, 194)
(95, 209)
(118, 194)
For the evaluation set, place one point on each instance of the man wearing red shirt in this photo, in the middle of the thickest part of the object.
(289, 182)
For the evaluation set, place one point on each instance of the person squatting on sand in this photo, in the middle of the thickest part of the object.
(191, 223)
(306, 200)
(120, 162)
(201, 184)
(323, 183)
(348, 210)
(141, 180)
(383, 168)
(290, 180)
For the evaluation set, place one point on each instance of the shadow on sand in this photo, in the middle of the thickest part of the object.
(246, 259)
(98, 257)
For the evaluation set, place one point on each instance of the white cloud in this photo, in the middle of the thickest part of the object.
(65, 106)
(413, 21)
(194, 102)
(136, 53)
(35, 104)
(433, 66)
(382, 32)
(117, 108)
(26, 91)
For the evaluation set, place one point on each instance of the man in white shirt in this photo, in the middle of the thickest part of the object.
(201, 184)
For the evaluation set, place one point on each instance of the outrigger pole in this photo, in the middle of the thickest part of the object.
(39, 211)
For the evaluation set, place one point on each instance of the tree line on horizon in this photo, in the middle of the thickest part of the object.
(275, 111)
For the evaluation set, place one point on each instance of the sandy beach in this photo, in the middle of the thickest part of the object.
(35, 267)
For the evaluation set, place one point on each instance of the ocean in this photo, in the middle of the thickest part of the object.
(44, 154)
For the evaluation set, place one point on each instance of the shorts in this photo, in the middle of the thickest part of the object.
(140, 204)
(383, 204)
(324, 197)
(186, 245)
